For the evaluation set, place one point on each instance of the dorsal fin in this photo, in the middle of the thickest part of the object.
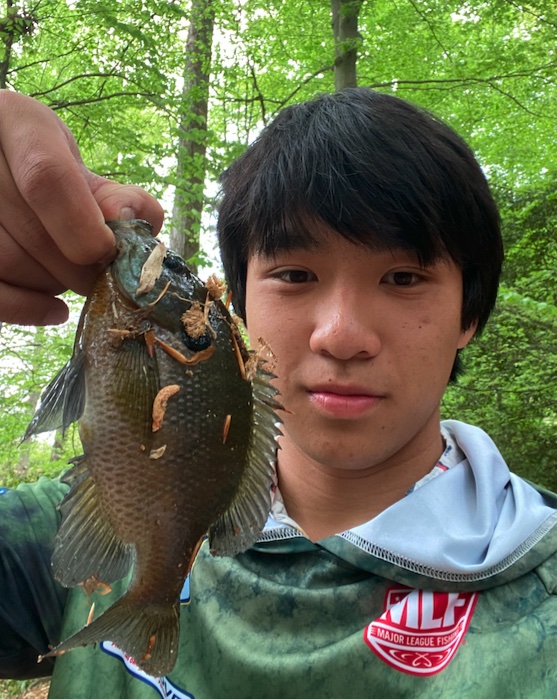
(240, 526)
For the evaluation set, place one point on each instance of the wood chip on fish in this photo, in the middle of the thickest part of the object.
(151, 270)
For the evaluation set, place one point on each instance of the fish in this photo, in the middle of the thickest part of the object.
(178, 423)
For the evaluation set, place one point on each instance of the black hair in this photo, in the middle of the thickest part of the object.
(379, 171)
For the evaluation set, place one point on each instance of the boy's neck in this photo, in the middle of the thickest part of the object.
(325, 501)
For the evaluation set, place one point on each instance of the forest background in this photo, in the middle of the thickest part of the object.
(165, 94)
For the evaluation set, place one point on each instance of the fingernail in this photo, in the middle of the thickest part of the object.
(126, 213)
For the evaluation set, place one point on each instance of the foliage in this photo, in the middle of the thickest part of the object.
(509, 386)
(110, 70)
(484, 67)
(29, 359)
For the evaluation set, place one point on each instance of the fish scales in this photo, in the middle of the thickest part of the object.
(146, 493)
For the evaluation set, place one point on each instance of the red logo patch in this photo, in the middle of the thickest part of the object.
(420, 631)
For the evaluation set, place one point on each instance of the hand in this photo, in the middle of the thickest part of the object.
(52, 212)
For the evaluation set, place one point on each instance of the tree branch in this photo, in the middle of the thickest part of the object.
(425, 19)
(84, 76)
(527, 10)
(259, 97)
(64, 104)
(304, 82)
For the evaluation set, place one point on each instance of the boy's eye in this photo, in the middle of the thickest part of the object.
(402, 278)
(295, 276)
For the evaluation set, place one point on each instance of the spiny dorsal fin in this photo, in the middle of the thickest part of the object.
(62, 401)
(240, 526)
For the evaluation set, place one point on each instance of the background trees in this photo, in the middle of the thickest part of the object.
(166, 94)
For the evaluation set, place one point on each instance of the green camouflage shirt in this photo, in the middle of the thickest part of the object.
(289, 619)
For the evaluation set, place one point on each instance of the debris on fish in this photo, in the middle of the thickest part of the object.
(177, 443)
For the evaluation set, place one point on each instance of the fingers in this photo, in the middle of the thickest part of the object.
(27, 307)
(18, 266)
(123, 202)
(70, 202)
(52, 230)
(53, 198)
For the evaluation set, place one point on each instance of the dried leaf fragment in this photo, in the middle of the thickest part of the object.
(163, 292)
(226, 428)
(157, 453)
(194, 320)
(238, 352)
(93, 584)
(251, 366)
(150, 645)
(151, 270)
(90, 615)
(216, 287)
(160, 403)
(179, 357)
(150, 342)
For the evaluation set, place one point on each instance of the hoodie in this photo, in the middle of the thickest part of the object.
(449, 592)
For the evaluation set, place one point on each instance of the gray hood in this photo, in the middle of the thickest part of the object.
(472, 523)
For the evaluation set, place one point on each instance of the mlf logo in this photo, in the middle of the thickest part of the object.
(419, 631)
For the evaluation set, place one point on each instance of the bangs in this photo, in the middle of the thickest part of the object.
(316, 169)
(296, 225)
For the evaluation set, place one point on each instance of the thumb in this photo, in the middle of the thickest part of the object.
(123, 202)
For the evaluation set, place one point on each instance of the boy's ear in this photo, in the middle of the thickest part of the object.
(467, 335)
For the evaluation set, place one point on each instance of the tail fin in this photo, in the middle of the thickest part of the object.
(148, 633)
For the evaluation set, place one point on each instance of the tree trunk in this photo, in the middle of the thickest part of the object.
(347, 39)
(57, 450)
(13, 26)
(192, 143)
(7, 36)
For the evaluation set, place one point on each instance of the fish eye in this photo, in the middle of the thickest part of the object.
(174, 263)
(196, 344)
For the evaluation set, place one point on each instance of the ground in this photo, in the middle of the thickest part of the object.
(38, 690)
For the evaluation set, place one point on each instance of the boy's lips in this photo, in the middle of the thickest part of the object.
(344, 400)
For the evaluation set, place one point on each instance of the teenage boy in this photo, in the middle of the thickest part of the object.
(401, 558)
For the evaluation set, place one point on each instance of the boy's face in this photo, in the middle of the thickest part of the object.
(364, 344)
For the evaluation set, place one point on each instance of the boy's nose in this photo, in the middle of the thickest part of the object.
(344, 329)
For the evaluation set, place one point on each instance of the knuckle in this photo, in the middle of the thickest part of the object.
(15, 307)
(10, 101)
(39, 176)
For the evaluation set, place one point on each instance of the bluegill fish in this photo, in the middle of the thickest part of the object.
(178, 426)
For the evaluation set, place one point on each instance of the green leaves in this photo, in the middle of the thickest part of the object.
(29, 358)
(510, 384)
